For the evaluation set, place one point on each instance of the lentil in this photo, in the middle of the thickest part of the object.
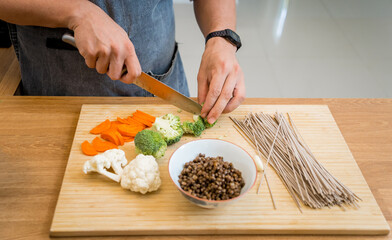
(211, 178)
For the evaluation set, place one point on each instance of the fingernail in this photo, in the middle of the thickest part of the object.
(203, 115)
(211, 120)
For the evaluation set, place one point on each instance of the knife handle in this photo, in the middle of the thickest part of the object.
(69, 38)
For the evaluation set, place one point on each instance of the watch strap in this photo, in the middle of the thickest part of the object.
(227, 35)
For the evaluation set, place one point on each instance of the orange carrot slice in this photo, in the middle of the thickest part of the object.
(120, 138)
(88, 149)
(101, 127)
(145, 115)
(114, 125)
(142, 117)
(128, 139)
(111, 137)
(132, 121)
(123, 120)
(102, 146)
(129, 131)
(141, 120)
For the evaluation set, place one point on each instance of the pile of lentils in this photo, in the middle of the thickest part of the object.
(211, 178)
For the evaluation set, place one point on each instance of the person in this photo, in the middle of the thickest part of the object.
(111, 34)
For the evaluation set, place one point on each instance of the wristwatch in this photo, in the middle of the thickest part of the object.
(229, 35)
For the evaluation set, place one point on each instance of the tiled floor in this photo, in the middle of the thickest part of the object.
(304, 48)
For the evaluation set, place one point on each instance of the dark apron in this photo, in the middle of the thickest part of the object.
(59, 71)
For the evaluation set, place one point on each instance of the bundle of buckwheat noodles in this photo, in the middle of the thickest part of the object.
(278, 141)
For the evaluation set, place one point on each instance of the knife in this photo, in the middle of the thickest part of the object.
(155, 87)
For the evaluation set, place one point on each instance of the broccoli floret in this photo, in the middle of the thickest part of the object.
(204, 120)
(175, 121)
(149, 142)
(169, 126)
(197, 118)
(195, 128)
(187, 127)
(198, 128)
(207, 124)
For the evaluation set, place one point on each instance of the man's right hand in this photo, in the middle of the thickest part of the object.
(104, 45)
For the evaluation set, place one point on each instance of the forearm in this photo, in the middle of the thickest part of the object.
(103, 44)
(220, 79)
(214, 15)
(46, 13)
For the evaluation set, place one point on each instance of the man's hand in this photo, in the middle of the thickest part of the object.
(104, 45)
(220, 80)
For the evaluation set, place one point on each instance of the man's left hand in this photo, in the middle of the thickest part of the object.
(221, 85)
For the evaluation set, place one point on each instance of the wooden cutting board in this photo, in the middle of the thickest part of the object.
(91, 205)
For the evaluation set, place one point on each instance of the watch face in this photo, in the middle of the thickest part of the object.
(234, 36)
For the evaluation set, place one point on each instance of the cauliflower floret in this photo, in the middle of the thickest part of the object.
(117, 159)
(99, 164)
(141, 175)
(114, 158)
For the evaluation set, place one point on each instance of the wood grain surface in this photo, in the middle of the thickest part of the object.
(36, 135)
(90, 205)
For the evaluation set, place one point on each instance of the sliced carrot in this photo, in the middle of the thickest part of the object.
(115, 129)
(102, 146)
(129, 131)
(88, 149)
(119, 137)
(145, 115)
(101, 127)
(141, 120)
(117, 132)
(111, 137)
(133, 121)
(114, 125)
(137, 126)
(123, 120)
(128, 139)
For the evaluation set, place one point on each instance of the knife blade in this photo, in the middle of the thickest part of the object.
(167, 93)
(155, 87)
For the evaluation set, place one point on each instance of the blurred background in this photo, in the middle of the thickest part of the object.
(303, 48)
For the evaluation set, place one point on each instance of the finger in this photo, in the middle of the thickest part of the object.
(202, 85)
(214, 91)
(224, 98)
(239, 96)
(133, 68)
(89, 57)
(102, 63)
(90, 61)
(115, 66)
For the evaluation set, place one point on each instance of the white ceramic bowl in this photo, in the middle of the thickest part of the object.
(213, 148)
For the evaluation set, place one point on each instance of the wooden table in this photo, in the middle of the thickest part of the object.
(36, 135)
